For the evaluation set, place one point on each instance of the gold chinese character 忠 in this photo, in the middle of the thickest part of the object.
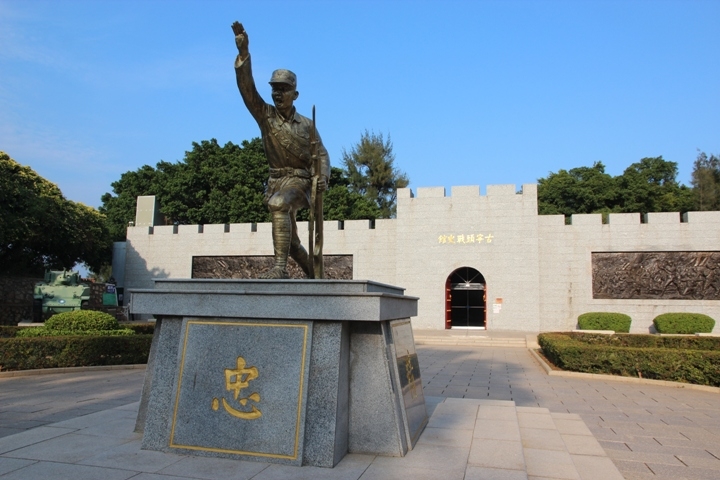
(236, 380)
(409, 374)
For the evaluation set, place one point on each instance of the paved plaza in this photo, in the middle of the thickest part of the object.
(494, 414)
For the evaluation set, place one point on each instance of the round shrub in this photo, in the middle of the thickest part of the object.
(683, 323)
(82, 320)
(618, 322)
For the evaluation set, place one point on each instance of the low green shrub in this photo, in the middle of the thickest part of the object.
(8, 331)
(82, 320)
(45, 332)
(77, 351)
(682, 359)
(141, 328)
(683, 323)
(617, 322)
(78, 322)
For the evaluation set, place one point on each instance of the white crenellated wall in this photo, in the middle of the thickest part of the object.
(566, 266)
(536, 267)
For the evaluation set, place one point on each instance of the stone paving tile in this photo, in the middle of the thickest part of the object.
(583, 445)
(448, 437)
(592, 467)
(542, 439)
(157, 476)
(646, 457)
(493, 453)
(12, 464)
(483, 473)
(350, 468)
(65, 471)
(69, 448)
(536, 420)
(393, 472)
(550, 463)
(461, 422)
(30, 437)
(571, 426)
(130, 454)
(496, 429)
(497, 412)
(663, 471)
(214, 468)
(431, 457)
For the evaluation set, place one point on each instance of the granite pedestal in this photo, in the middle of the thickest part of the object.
(298, 372)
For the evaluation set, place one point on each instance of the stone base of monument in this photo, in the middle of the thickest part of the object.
(298, 372)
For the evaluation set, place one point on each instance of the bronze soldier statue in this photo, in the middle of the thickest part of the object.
(287, 138)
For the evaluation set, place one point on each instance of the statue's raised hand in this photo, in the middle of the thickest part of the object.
(241, 39)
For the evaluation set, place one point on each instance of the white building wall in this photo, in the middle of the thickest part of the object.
(539, 267)
(566, 263)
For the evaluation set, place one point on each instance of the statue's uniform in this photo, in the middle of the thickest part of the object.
(287, 147)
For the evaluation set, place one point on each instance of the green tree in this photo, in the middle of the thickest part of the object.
(213, 184)
(370, 172)
(650, 185)
(41, 229)
(706, 182)
(342, 203)
(578, 190)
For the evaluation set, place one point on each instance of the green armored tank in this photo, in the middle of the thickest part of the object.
(61, 291)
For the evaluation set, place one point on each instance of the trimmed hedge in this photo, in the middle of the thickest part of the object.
(76, 351)
(617, 322)
(141, 328)
(8, 331)
(44, 332)
(77, 322)
(683, 323)
(681, 359)
(82, 320)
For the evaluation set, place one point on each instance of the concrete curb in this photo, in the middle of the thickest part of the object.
(616, 378)
(46, 371)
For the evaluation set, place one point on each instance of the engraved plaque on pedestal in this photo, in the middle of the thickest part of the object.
(241, 389)
(408, 371)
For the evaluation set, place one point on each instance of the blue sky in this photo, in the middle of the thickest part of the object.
(471, 92)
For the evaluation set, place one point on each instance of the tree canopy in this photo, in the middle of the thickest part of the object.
(40, 228)
(370, 172)
(706, 182)
(649, 185)
(226, 184)
(213, 184)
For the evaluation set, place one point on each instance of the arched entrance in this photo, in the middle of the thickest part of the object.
(465, 299)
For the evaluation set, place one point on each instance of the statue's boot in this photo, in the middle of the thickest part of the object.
(281, 233)
(274, 273)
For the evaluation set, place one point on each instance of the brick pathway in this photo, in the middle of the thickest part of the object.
(650, 432)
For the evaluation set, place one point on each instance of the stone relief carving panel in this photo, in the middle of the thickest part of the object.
(656, 275)
(337, 267)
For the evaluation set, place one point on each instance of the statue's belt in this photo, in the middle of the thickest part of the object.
(289, 172)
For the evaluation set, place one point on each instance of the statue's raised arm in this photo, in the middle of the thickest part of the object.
(241, 40)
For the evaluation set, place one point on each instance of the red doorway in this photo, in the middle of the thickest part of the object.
(465, 299)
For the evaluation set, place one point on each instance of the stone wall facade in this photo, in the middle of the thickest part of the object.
(16, 297)
(537, 270)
